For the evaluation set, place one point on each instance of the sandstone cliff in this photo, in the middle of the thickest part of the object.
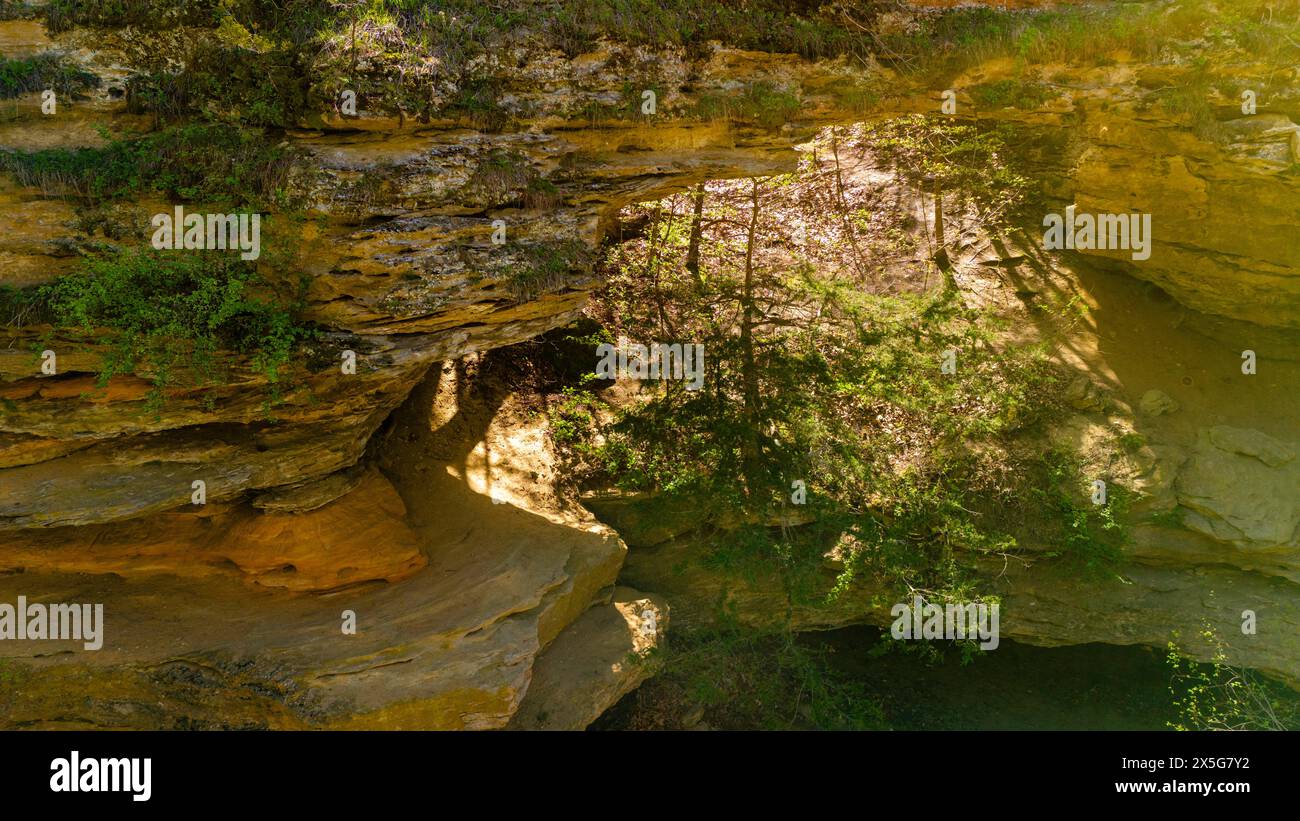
(420, 495)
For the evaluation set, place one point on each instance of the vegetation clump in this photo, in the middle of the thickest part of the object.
(20, 76)
(180, 319)
(1010, 93)
(211, 164)
(541, 268)
(759, 102)
(822, 372)
(1221, 696)
(278, 63)
(174, 316)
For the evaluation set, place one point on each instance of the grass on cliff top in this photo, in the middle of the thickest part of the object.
(270, 62)
(972, 33)
(18, 10)
(42, 71)
(212, 164)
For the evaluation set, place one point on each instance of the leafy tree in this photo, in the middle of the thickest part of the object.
(816, 373)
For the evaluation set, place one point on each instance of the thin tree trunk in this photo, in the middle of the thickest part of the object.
(938, 220)
(843, 206)
(693, 247)
(749, 367)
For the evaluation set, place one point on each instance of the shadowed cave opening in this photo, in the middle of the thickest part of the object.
(853, 233)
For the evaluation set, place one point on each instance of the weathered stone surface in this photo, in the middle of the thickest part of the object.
(1156, 402)
(600, 658)
(1196, 197)
(130, 462)
(1242, 487)
(404, 255)
(449, 646)
(359, 537)
(311, 495)
(403, 271)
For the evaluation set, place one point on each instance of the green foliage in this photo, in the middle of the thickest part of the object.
(18, 10)
(628, 105)
(42, 71)
(945, 44)
(1091, 536)
(1132, 442)
(212, 164)
(745, 680)
(572, 422)
(760, 25)
(175, 317)
(20, 307)
(221, 83)
(542, 194)
(1009, 93)
(477, 99)
(274, 62)
(248, 70)
(837, 383)
(858, 97)
(1221, 696)
(1190, 99)
(541, 268)
(507, 177)
(61, 15)
(759, 102)
(965, 161)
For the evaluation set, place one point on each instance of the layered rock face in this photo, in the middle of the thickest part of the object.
(455, 597)
(321, 505)
(404, 272)
(429, 611)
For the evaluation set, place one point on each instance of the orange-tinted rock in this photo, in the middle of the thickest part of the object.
(119, 388)
(360, 537)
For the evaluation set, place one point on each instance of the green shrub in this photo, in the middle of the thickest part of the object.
(542, 194)
(61, 15)
(759, 102)
(42, 71)
(477, 99)
(1010, 94)
(1222, 696)
(545, 267)
(501, 177)
(225, 83)
(212, 164)
(177, 316)
(1090, 536)
(18, 10)
(20, 307)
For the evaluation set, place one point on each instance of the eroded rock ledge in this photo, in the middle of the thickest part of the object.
(456, 597)
(200, 631)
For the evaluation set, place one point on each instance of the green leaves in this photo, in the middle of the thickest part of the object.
(907, 465)
(40, 72)
(213, 164)
(172, 315)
